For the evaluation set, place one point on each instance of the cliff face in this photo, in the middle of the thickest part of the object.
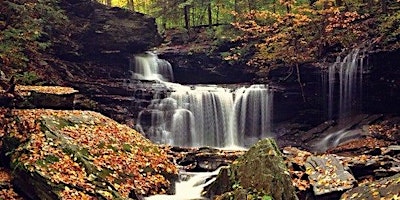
(101, 32)
(93, 52)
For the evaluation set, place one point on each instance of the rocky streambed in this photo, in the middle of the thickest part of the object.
(55, 154)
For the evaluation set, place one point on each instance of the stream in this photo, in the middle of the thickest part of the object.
(189, 187)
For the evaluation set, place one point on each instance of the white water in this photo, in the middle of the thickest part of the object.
(344, 81)
(252, 115)
(336, 138)
(343, 84)
(190, 189)
(209, 116)
(206, 115)
(149, 67)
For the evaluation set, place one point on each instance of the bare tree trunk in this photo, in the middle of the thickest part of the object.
(186, 11)
(209, 12)
(131, 5)
(250, 4)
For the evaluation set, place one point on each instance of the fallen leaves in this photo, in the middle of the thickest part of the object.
(9, 194)
(24, 89)
(72, 194)
(5, 176)
(88, 153)
(6, 192)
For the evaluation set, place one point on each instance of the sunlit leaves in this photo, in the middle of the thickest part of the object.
(59, 90)
(298, 36)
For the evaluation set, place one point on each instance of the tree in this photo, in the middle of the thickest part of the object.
(209, 12)
(186, 13)
(108, 3)
(131, 5)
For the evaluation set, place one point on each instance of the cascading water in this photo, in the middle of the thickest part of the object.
(189, 189)
(250, 119)
(206, 115)
(149, 67)
(344, 82)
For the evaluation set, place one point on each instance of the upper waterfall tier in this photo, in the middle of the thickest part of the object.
(149, 67)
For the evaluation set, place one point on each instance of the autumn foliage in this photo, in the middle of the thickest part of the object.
(295, 32)
(84, 155)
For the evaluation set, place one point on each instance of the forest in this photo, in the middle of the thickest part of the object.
(270, 33)
(262, 34)
(63, 62)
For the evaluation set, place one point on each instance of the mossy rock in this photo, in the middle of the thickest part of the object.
(57, 154)
(260, 174)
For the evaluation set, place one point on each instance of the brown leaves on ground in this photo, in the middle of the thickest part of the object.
(386, 130)
(359, 145)
(59, 90)
(5, 176)
(9, 194)
(6, 192)
(295, 160)
(88, 154)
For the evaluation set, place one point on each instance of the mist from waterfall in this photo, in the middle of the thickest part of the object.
(206, 115)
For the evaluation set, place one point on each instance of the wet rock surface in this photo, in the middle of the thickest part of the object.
(202, 159)
(107, 33)
(260, 172)
(369, 158)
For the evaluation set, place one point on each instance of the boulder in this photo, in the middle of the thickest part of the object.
(385, 188)
(80, 154)
(259, 173)
(55, 97)
(327, 175)
(107, 32)
(203, 159)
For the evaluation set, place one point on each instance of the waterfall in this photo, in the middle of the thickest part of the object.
(203, 115)
(343, 85)
(344, 81)
(209, 116)
(211, 107)
(252, 115)
(149, 67)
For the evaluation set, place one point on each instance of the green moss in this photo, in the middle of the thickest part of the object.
(127, 147)
(28, 78)
(51, 159)
(262, 173)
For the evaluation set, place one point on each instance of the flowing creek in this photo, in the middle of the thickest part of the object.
(190, 187)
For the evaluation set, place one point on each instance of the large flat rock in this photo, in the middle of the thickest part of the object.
(57, 154)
